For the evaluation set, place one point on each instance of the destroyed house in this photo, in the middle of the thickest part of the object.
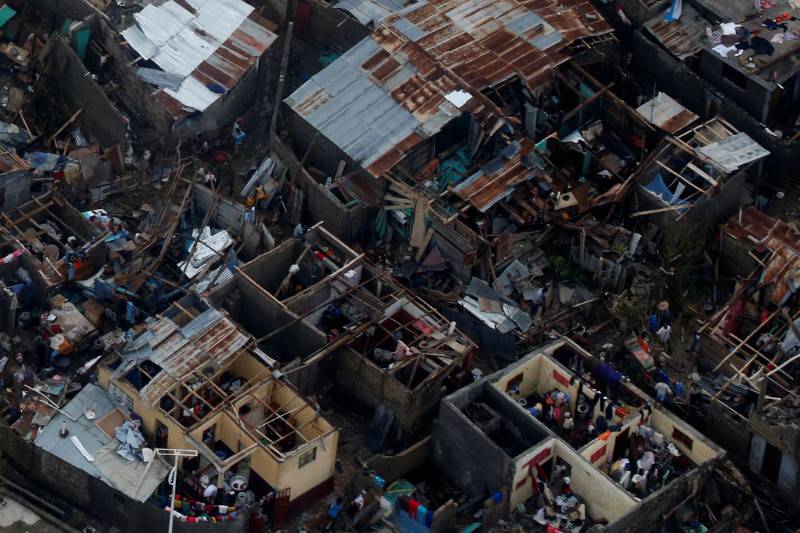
(428, 65)
(766, 84)
(76, 455)
(750, 348)
(390, 348)
(698, 176)
(15, 184)
(627, 461)
(191, 378)
(299, 264)
(189, 63)
(393, 350)
(586, 147)
(60, 243)
(578, 156)
(748, 55)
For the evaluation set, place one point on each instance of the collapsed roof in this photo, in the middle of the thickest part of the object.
(203, 47)
(426, 64)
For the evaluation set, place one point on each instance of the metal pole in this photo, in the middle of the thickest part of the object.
(287, 45)
(174, 475)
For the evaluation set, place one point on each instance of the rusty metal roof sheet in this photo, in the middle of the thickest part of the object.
(370, 11)
(663, 111)
(394, 89)
(683, 37)
(763, 232)
(210, 338)
(211, 44)
(781, 241)
(487, 187)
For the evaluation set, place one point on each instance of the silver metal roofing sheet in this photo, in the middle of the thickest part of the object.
(546, 41)
(734, 152)
(139, 42)
(90, 436)
(125, 476)
(159, 78)
(180, 41)
(365, 11)
(524, 23)
(409, 29)
(359, 53)
(411, 58)
(202, 322)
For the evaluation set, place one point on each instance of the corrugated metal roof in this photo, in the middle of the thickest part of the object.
(370, 11)
(761, 231)
(663, 111)
(683, 37)
(484, 188)
(399, 76)
(117, 472)
(734, 152)
(209, 338)
(211, 44)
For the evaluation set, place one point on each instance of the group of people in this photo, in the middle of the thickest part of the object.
(553, 409)
(202, 149)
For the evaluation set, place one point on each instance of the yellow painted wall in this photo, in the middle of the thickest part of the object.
(589, 449)
(530, 376)
(700, 452)
(231, 434)
(603, 497)
(266, 466)
(301, 480)
(522, 491)
(175, 438)
(285, 473)
(248, 367)
(280, 474)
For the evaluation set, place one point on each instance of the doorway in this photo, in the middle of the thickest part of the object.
(771, 463)
(621, 445)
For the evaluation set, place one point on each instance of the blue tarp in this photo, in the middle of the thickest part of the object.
(453, 169)
(660, 189)
(6, 13)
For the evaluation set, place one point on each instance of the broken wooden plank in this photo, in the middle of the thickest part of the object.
(340, 170)
(660, 210)
(424, 246)
(685, 180)
(67, 123)
(418, 225)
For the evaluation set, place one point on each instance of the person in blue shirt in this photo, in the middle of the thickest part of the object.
(238, 135)
(336, 508)
(334, 511)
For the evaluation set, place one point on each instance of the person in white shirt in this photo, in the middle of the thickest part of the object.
(210, 493)
(663, 390)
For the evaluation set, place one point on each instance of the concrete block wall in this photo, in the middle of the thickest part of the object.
(71, 81)
(392, 467)
(754, 97)
(348, 224)
(91, 495)
(16, 188)
(413, 411)
(135, 95)
(459, 445)
(649, 515)
(680, 82)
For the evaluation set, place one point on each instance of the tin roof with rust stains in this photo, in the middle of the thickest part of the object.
(426, 64)
(211, 44)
